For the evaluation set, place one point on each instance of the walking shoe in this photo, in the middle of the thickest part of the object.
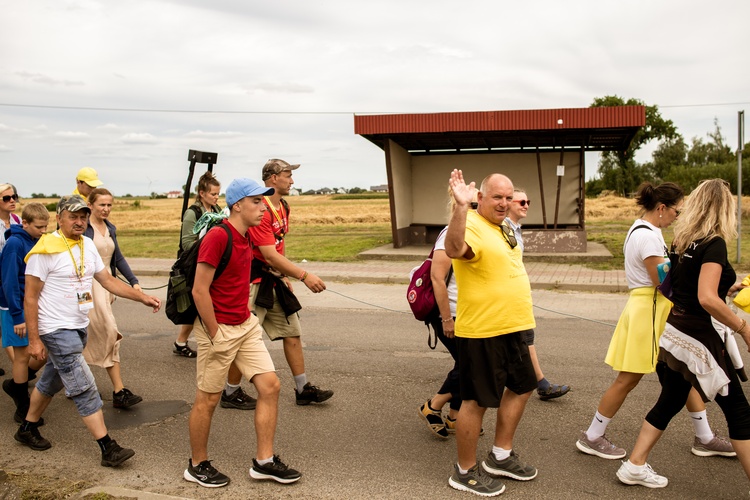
(600, 447)
(434, 420)
(238, 400)
(552, 391)
(114, 454)
(276, 470)
(511, 467)
(450, 426)
(205, 474)
(125, 399)
(184, 350)
(312, 394)
(474, 481)
(32, 438)
(717, 447)
(647, 477)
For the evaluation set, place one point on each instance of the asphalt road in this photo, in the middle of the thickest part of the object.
(368, 441)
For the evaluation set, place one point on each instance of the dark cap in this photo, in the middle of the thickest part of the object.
(72, 203)
(276, 166)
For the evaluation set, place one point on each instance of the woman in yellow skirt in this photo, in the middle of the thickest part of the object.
(634, 347)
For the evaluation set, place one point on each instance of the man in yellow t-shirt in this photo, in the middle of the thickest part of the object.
(494, 308)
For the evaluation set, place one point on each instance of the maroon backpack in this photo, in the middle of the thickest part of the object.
(421, 296)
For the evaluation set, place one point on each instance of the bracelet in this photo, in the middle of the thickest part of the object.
(303, 276)
(742, 326)
(447, 320)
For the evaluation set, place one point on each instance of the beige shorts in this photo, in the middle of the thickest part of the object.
(276, 324)
(242, 344)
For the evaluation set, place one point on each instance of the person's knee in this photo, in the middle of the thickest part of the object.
(267, 384)
(206, 401)
(627, 381)
(88, 402)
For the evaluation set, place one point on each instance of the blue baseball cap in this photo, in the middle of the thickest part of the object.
(242, 188)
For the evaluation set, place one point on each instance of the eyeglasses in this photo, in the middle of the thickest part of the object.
(474, 205)
(9, 197)
(677, 211)
(510, 237)
(523, 203)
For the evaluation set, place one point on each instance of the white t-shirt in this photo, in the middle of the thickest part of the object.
(452, 287)
(640, 244)
(58, 301)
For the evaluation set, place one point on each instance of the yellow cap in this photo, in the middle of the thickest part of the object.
(89, 176)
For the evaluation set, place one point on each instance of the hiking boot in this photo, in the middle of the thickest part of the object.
(450, 426)
(276, 470)
(125, 399)
(600, 447)
(238, 400)
(434, 420)
(114, 454)
(552, 391)
(511, 467)
(717, 447)
(32, 438)
(312, 394)
(647, 477)
(184, 350)
(474, 481)
(205, 474)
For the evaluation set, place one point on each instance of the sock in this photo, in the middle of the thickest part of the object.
(429, 405)
(598, 426)
(500, 453)
(700, 425)
(265, 461)
(230, 389)
(462, 471)
(635, 469)
(300, 380)
(26, 425)
(103, 442)
(543, 384)
(180, 344)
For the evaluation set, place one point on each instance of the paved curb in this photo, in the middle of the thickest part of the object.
(118, 492)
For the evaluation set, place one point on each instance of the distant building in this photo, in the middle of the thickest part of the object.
(383, 188)
(324, 191)
(174, 194)
(294, 192)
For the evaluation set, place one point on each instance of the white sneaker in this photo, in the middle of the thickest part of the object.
(647, 477)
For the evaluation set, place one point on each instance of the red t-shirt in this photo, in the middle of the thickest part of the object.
(230, 292)
(271, 231)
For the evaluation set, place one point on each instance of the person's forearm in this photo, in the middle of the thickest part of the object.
(455, 237)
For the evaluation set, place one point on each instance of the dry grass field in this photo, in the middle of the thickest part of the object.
(327, 228)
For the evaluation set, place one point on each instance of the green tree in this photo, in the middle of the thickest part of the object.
(670, 153)
(618, 169)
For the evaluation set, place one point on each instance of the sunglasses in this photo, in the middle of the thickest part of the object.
(510, 237)
(9, 197)
(523, 203)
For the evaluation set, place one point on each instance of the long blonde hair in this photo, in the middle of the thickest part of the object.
(708, 212)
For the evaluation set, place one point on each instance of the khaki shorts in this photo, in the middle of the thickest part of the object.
(276, 324)
(242, 344)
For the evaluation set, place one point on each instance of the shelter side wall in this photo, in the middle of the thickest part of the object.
(430, 174)
(401, 182)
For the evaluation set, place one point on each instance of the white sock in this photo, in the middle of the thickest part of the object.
(462, 471)
(229, 388)
(181, 344)
(265, 461)
(598, 426)
(300, 381)
(635, 469)
(700, 425)
(500, 453)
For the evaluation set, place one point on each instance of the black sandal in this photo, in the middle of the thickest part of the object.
(553, 391)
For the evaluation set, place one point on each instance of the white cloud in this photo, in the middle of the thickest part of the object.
(219, 134)
(4, 149)
(47, 80)
(139, 138)
(72, 135)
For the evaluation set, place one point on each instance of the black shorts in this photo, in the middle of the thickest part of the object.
(528, 336)
(488, 366)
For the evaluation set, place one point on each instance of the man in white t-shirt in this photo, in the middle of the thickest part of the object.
(60, 270)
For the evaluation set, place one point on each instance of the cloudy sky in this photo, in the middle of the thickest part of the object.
(128, 87)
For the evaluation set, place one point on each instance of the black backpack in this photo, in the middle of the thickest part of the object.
(180, 307)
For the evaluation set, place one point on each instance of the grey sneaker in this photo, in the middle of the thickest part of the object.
(600, 447)
(647, 477)
(474, 481)
(717, 447)
(511, 467)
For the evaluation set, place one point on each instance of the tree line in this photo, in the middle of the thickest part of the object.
(673, 160)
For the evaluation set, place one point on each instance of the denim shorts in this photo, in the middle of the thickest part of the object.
(67, 369)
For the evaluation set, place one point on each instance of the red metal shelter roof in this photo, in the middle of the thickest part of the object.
(595, 129)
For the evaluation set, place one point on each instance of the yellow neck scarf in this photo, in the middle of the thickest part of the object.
(52, 243)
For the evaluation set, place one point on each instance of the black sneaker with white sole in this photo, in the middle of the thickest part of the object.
(276, 470)
(238, 400)
(205, 474)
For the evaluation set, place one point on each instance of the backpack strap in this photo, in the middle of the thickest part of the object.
(641, 226)
(224, 262)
